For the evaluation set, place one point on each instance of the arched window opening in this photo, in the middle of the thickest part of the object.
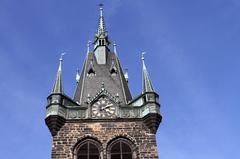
(120, 150)
(88, 150)
(101, 42)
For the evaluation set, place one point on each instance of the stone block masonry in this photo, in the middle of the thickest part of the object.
(65, 141)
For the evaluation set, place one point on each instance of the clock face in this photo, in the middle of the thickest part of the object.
(103, 108)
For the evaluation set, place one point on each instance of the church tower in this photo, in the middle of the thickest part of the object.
(103, 120)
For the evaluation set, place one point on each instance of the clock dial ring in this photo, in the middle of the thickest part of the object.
(103, 108)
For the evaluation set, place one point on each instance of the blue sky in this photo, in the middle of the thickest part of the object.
(193, 54)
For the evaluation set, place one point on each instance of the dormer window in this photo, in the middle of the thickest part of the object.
(113, 69)
(91, 72)
(113, 72)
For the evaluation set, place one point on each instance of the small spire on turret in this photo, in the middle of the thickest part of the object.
(58, 86)
(147, 84)
(88, 46)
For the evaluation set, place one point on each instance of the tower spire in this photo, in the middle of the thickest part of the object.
(58, 86)
(147, 84)
(101, 41)
(101, 26)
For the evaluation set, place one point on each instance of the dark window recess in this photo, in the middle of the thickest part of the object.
(101, 42)
(91, 72)
(113, 72)
(88, 151)
(121, 150)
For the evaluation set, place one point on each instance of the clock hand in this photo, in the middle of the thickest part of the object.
(107, 106)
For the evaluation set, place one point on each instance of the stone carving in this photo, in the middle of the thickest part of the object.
(72, 114)
(82, 114)
(76, 114)
(130, 113)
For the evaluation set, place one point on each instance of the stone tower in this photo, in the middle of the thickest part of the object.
(102, 120)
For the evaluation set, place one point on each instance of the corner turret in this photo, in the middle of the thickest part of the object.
(56, 111)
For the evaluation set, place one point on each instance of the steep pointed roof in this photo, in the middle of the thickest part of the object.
(95, 72)
(147, 84)
(58, 84)
(115, 83)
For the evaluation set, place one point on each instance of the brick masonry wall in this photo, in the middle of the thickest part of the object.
(69, 135)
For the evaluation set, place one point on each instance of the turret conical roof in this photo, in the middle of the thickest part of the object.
(58, 84)
(147, 84)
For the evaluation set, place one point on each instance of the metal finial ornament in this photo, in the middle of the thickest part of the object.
(61, 57)
(143, 63)
(103, 87)
(88, 98)
(60, 61)
(77, 76)
(126, 74)
(143, 56)
(101, 9)
(88, 46)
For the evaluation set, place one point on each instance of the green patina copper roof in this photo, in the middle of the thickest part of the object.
(147, 84)
(58, 84)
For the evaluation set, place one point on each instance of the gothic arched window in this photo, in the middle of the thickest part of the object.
(120, 149)
(88, 149)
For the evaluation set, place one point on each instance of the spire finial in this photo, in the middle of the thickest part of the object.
(143, 53)
(60, 61)
(142, 58)
(102, 86)
(101, 9)
(88, 46)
